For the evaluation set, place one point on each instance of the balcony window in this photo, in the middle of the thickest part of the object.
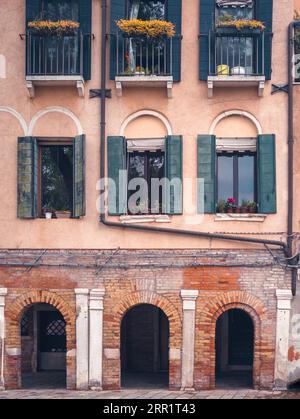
(143, 61)
(60, 56)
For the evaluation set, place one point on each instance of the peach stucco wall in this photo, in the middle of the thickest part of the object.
(189, 113)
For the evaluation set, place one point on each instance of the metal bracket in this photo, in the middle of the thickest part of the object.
(276, 88)
(97, 93)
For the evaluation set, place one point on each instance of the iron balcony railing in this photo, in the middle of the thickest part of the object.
(138, 56)
(50, 55)
(236, 53)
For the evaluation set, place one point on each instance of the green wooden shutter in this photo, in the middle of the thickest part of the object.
(85, 17)
(266, 162)
(117, 189)
(207, 11)
(117, 11)
(264, 12)
(206, 152)
(27, 177)
(32, 10)
(174, 195)
(175, 16)
(79, 176)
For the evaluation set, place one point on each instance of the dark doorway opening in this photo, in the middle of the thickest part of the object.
(234, 350)
(44, 346)
(145, 348)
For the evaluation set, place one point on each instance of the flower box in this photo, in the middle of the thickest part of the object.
(51, 28)
(145, 29)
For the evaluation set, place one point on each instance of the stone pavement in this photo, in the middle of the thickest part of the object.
(147, 394)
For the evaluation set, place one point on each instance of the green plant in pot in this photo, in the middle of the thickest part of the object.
(221, 206)
(252, 207)
(244, 206)
(231, 205)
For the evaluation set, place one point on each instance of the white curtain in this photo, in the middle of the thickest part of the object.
(133, 14)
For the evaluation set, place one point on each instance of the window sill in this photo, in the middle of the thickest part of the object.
(255, 218)
(144, 81)
(134, 219)
(236, 81)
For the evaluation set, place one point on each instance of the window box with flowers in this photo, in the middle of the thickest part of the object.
(57, 28)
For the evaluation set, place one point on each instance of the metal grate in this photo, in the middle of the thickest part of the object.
(25, 324)
(56, 328)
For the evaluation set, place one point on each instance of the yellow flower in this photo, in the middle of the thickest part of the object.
(243, 24)
(148, 28)
(58, 27)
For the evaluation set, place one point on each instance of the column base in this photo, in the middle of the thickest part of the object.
(96, 388)
(187, 389)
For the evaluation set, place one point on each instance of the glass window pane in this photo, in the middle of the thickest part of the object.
(156, 171)
(246, 178)
(147, 9)
(225, 177)
(60, 10)
(57, 177)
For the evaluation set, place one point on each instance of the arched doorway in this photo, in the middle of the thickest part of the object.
(43, 347)
(234, 349)
(145, 348)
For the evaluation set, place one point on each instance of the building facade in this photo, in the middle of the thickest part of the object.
(116, 284)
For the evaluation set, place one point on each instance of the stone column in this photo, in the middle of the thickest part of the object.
(284, 298)
(3, 292)
(82, 339)
(96, 339)
(189, 298)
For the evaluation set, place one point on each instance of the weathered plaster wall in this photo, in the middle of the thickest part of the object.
(189, 112)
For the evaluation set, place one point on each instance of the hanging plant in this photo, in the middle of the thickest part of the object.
(58, 28)
(240, 24)
(146, 28)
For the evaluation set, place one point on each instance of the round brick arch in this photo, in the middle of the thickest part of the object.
(175, 324)
(211, 313)
(13, 340)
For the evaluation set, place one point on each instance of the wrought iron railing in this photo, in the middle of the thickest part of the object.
(54, 55)
(138, 56)
(236, 53)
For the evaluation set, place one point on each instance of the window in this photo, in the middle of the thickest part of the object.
(148, 166)
(146, 9)
(243, 9)
(60, 10)
(237, 176)
(56, 178)
(51, 176)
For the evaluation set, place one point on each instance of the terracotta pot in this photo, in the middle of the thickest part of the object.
(252, 210)
(229, 210)
(63, 214)
(237, 210)
(221, 210)
(244, 210)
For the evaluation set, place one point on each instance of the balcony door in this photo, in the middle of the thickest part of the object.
(235, 53)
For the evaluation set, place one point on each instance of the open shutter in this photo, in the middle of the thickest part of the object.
(207, 12)
(79, 176)
(85, 17)
(32, 10)
(27, 177)
(264, 12)
(117, 174)
(117, 12)
(175, 16)
(174, 194)
(206, 151)
(266, 161)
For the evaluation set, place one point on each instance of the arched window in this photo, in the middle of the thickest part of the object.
(147, 9)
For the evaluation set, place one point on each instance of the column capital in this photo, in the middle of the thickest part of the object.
(96, 299)
(189, 298)
(82, 291)
(284, 299)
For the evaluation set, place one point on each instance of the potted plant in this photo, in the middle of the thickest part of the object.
(230, 205)
(252, 207)
(140, 71)
(48, 212)
(244, 207)
(63, 213)
(221, 206)
(146, 28)
(55, 28)
(227, 24)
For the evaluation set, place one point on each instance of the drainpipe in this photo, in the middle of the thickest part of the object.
(103, 218)
(291, 30)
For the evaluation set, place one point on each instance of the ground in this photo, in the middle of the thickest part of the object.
(147, 394)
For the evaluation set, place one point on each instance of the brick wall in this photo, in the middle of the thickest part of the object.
(225, 279)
